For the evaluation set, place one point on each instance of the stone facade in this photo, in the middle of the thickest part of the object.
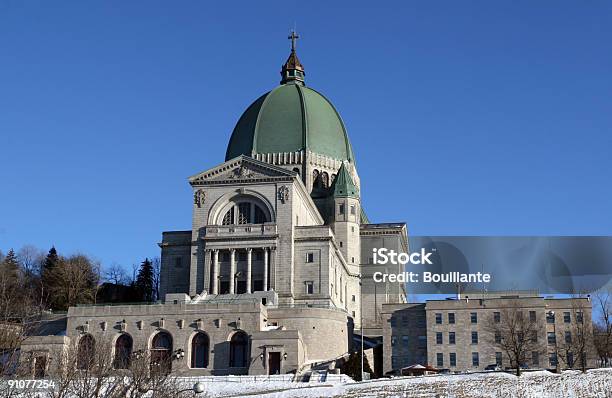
(268, 275)
(464, 330)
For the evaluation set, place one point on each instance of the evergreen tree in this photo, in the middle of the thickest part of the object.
(51, 260)
(145, 281)
(11, 264)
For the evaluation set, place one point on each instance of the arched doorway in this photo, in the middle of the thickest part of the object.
(161, 353)
(239, 354)
(199, 350)
(85, 352)
(123, 351)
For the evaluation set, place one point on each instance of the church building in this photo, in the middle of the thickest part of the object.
(269, 278)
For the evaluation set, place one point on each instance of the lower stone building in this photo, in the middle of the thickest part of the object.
(465, 333)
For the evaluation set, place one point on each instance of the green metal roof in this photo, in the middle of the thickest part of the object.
(290, 118)
(343, 185)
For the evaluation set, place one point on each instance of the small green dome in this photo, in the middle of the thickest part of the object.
(290, 118)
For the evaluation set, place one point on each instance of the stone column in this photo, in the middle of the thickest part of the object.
(272, 279)
(215, 274)
(248, 272)
(232, 270)
(265, 275)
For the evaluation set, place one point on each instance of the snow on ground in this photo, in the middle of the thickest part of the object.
(595, 383)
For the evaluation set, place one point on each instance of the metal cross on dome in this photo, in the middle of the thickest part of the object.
(293, 37)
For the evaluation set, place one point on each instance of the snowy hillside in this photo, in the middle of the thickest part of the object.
(570, 384)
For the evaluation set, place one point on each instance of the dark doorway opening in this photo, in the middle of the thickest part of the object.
(274, 363)
(40, 367)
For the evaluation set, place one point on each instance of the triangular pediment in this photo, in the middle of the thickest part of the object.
(241, 169)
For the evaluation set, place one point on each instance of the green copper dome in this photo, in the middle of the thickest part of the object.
(291, 118)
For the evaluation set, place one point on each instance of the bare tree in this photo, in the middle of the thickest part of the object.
(156, 277)
(86, 370)
(602, 326)
(19, 313)
(116, 274)
(73, 280)
(575, 346)
(514, 334)
(31, 258)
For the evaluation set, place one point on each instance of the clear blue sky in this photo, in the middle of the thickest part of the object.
(471, 117)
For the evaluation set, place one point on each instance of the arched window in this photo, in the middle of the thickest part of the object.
(315, 179)
(228, 219)
(260, 216)
(123, 351)
(161, 353)
(199, 350)
(239, 345)
(245, 213)
(325, 180)
(85, 354)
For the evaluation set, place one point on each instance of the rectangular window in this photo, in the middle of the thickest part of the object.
(497, 337)
(310, 257)
(474, 317)
(438, 318)
(452, 358)
(532, 316)
(475, 359)
(552, 339)
(439, 338)
(440, 359)
(451, 317)
(568, 337)
(570, 359)
(496, 317)
(567, 317)
(405, 341)
(309, 287)
(550, 317)
(353, 298)
(552, 359)
(498, 359)
(451, 337)
(474, 337)
(579, 317)
(341, 208)
(535, 358)
(353, 211)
